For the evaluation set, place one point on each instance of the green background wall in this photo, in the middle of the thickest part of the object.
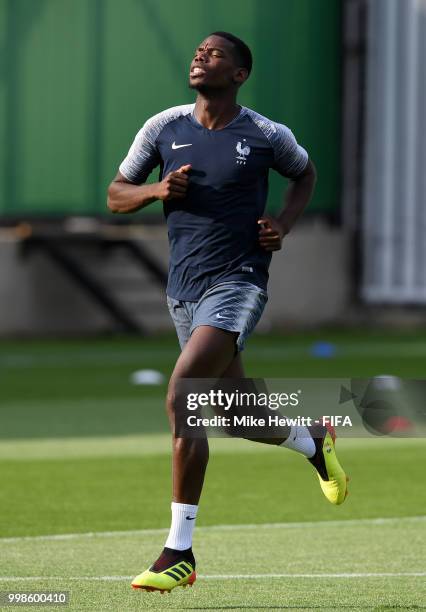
(79, 77)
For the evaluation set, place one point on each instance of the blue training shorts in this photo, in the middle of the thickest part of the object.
(235, 306)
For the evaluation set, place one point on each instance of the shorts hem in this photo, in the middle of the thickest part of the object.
(239, 345)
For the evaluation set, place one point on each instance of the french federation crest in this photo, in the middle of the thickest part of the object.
(243, 152)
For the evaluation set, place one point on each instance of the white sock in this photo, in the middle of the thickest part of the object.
(301, 441)
(183, 523)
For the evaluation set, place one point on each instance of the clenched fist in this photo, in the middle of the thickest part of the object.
(271, 233)
(174, 185)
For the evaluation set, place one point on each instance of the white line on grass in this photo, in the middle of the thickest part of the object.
(224, 576)
(346, 575)
(242, 527)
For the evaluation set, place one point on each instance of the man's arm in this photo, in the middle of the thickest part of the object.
(297, 197)
(125, 197)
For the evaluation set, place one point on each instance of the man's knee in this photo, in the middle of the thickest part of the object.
(175, 399)
(171, 398)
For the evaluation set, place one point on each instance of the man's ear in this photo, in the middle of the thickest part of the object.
(240, 76)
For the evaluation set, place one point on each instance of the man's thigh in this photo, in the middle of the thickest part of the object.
(235, 369)
(208, 353)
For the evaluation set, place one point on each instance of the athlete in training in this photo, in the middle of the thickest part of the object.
(214, 159)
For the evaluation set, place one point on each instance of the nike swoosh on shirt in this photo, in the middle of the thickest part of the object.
(175, 146)
(190, 518)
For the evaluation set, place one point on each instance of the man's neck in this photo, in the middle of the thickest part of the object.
(215, 112)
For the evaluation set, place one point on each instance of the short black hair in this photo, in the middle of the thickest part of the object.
(243, 53)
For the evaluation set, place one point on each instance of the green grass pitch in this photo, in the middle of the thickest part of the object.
(85, 486)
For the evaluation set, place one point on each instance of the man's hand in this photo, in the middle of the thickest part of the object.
(271, 233)
(125, 197)
(174, 185)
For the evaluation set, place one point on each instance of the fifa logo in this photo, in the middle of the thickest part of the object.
(243, 152)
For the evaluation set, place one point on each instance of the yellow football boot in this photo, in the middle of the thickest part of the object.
(333, 480)
(180, 573)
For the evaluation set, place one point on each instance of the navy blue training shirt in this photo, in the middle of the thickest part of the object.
(213, 231)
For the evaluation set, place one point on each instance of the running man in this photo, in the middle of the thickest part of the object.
(214, 159)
